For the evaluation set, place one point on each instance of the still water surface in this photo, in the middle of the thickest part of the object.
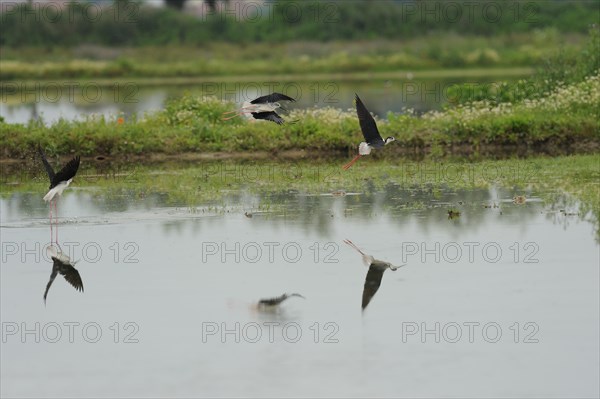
(500, 301)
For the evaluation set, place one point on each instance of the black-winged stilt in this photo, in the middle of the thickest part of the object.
(58, 182)
(370, 132)
(374, 275)
(271, 302)
(262, 108)
(63, 265)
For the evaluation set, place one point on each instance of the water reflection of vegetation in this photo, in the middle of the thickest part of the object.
(313, 193)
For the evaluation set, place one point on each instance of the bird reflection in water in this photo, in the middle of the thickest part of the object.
(62, 264)
(374, 275)
(273, 304)
(267, 307)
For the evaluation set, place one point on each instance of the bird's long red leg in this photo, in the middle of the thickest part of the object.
(349, 164)
(231, 117)
(235, 111)
(238, 114)
(354, 246)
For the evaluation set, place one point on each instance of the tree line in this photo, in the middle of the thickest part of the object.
(128, 23)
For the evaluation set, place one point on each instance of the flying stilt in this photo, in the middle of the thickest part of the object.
(63, 265)
(58, 182)
(374, 275)
(272, 302)
(370, 132)
(262, 108)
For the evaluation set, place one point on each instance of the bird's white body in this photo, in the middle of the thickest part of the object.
(364, 148)
(53, 252)
(385, 265)
(368, 260)
(57, 190)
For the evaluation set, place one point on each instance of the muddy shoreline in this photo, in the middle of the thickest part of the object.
(470, 151)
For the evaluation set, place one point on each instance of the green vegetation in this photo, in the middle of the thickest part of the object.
(556, 110)
(126, 23)
(131, 40)
(565, 118)
(432, 52)
(561, 68)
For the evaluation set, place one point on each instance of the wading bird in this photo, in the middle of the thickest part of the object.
(58, 182)
(370, 132)
(262, 108)
(63, 265)
(272, 302)
(374, 275)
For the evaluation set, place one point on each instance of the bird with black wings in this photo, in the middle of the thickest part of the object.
(59, 181)
(373, 139)
(263, 107)
(374, 275)
(272, 302)
(61, 264)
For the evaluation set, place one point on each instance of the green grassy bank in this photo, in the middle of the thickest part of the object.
(565, 117)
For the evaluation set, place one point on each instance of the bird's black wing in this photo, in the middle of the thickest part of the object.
(367, 123)
(372, 283)
(52, 277)
(269, 116)
(271, 98)
(71, 275)
(49, 169)
(67, 172)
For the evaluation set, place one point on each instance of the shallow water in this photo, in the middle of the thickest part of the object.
(499, 301)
